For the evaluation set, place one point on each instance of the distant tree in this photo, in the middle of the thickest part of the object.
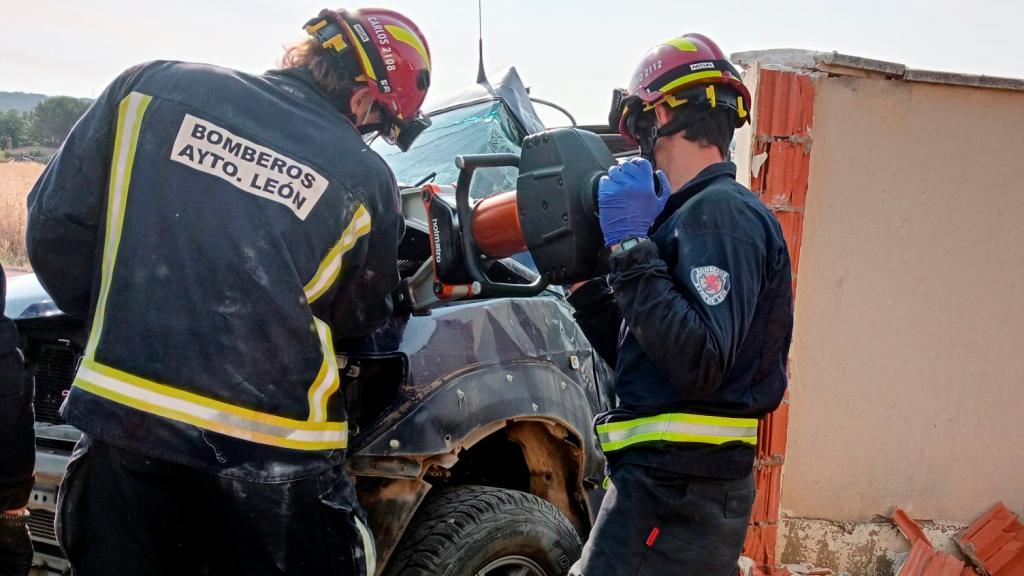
(52, 119)
(13, 129)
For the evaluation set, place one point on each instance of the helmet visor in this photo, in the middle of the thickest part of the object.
(403, 133)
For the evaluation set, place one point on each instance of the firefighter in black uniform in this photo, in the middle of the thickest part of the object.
(17, 445)
(701, 280)
(214, 229)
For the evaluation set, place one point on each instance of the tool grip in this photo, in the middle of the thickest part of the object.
(467, 166)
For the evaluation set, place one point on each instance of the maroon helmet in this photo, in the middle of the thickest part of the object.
(387, 51)
(690, 69)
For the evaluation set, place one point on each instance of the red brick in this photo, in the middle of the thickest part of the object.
(995, 542)
(792, 228)
(782, 125)
(924, 560)
(786, 173)
(785, 104)
(908, 527)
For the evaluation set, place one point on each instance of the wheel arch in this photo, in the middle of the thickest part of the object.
(536, 413)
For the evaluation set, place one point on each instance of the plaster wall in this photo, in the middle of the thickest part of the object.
(908, 353)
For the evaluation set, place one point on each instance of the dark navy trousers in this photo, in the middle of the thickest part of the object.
(120, 512)
(655, 523)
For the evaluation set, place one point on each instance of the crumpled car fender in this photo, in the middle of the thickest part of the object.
(473, 404)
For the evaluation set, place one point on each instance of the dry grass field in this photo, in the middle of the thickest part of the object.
(16, 179)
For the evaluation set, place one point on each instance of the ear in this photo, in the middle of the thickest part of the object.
(360, 103)
(662, 114)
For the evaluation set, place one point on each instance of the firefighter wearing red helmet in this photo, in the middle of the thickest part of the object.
(212, 230)
(700, 283)
(385, 51)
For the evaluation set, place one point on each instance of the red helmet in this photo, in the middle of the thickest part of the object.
(682, 70)
(387, 51)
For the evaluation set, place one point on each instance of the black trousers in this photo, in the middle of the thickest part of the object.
(653, 523)
(120, 512)
(17, 450)
(17, 437)
(15, 547)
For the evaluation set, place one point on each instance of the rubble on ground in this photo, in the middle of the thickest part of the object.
(993, 546)
(995, 543)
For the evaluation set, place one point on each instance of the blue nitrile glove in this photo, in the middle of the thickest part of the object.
(626, 201)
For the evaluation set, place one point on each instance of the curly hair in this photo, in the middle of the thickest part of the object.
(336, 82)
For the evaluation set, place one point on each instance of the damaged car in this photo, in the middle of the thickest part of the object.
(473, 449)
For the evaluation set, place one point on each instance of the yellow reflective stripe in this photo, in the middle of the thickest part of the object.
(367, 66)
(681, 417)
(328, 380)
(369, 548)
(677, 428)
(683, 44)
(129, 121)
(156, 398)
(689, 78)
(407, 37)
(330, 267)
(208, 413)
(203, 401)
(671, 437)
(739, 107)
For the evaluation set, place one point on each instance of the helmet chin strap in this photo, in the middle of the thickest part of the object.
(365, 128)
(369, 110)
(648, 137)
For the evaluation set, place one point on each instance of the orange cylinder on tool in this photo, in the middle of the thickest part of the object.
(496, 228)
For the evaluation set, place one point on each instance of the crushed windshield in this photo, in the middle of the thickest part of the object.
(478, 129)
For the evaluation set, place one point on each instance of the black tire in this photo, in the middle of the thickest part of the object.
(471, 530)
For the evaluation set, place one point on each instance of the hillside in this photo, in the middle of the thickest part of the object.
(20, 101)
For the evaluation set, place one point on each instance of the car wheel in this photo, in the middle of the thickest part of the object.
(484, 531)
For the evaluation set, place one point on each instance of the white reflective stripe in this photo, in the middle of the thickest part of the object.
(670, 427)
(220, 421)
(369, 548)
(331, 267)
(328, 274)
(324, 388)
(130, 113)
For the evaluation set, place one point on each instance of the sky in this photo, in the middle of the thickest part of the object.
(569, 51)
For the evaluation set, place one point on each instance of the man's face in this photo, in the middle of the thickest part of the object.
(664, 146)
(363, 109)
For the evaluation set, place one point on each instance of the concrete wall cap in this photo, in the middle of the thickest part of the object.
(847, 65)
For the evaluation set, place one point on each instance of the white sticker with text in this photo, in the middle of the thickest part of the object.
(251, 168)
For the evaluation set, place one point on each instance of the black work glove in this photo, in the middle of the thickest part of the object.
(15, 545)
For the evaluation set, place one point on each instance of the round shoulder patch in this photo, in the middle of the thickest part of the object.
(711, 282)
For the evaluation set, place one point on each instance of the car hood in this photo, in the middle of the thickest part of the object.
(26, 299)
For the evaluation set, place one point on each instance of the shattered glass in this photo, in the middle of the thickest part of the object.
(482, 128)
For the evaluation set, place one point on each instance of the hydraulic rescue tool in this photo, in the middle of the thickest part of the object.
(552, 214)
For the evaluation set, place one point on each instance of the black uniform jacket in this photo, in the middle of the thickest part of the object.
(706, 315)
(214, 228)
